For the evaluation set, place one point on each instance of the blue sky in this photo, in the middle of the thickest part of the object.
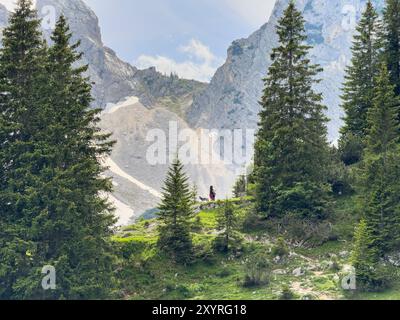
(189, 37)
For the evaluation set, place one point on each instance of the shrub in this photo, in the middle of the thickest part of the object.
(301, 232)
(287, 293)
(258, 271)
(280, 249)
(224, 273)
(240, 188)
(205, 254)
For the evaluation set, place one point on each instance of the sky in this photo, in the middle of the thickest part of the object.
(186, 37)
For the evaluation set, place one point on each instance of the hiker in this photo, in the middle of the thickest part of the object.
(213, 195)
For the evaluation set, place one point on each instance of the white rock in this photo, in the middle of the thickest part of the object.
(299, 272)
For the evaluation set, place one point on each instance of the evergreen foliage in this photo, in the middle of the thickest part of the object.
(358, 91)
(392, 41)
(291, 148)
(227, 224)
(380, 172)
(369, 275)
(175, 212)
(51, 209)
(240, 187)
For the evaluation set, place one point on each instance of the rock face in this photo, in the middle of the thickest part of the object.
(138, 180)
(231, 99)
(113, 78)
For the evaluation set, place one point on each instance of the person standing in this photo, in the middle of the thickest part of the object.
(213, 194)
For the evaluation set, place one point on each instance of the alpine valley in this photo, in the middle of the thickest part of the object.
(136, 101)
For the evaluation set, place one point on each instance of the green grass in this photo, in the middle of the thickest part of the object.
(147, 274)
(391, 294)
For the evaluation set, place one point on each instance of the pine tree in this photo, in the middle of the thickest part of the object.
(240, 187)
(227, 223)
(392, 41)
(175, 212)
(52, 188)
(291, 147)
(381, 169)
(360, 76)
(22, 78)
(79, 220)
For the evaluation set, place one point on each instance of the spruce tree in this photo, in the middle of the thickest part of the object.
(381, 167)
(291, 148)
(227, 224)
(175, 212)
(53, 184)
(240, 187)
(364, 258)
(392, 41)
(80, 219)
(22, 79)
(361, 74)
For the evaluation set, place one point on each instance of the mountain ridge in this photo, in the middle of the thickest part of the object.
(231, 99)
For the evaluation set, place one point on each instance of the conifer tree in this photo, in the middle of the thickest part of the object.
(240, 187)
(79, 219)
(175, 212)
(361, 74)
(364, 258)
(227, 223)
(358, 90)
(22, 79)
(392, 41)
(52, 184)
(381, 169)
(291, 147)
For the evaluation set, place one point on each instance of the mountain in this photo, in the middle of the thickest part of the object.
(135, 101)
(143, 100)
(158, 100)
(113, 78)
(231, 99)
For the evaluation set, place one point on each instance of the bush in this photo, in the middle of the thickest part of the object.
(240, 188)
(281, 249)
(235, 243)
(196, 226)
(224, 273)
(258, 271)
(301, 232)
(287, 293)
(205, 254)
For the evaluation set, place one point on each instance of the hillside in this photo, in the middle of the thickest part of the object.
(313, 271)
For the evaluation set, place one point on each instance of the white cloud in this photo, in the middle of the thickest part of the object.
(200, 65)
(255, 12)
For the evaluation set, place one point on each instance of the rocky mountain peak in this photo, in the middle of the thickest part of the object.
(231, 99)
